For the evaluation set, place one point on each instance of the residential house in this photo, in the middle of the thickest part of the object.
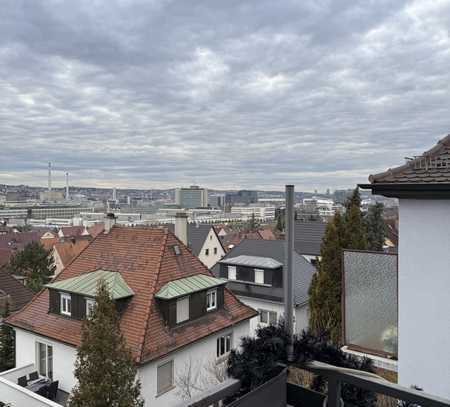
(422, 186)
(203, 240)
(254, 269)
(173, 313)
(13, 294)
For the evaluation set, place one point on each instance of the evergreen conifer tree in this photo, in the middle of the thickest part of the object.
(376, 228)
(104, 368)
(7, 344)
(35, 264)
(343, 232)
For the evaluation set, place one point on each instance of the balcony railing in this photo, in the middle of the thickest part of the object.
(299, 396)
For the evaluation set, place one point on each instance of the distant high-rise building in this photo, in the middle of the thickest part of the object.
(192, 197)
(241, 197)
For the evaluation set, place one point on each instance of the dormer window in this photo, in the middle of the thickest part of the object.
(82, 289)
(190, 298)
(211, 300)
(66, 304)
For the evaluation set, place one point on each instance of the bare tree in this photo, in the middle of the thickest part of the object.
(196, 376)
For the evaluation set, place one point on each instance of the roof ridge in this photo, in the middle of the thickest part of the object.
(436, 149)
(152, 293)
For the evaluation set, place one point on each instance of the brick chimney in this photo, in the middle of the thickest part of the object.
(110, 221)
(181, 226)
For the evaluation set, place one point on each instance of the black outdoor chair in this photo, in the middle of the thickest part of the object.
(22, 381)
(43, 391)
(53, 390)
(33, 376)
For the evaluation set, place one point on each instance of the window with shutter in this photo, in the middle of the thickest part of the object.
(182, 309)
(165, 377)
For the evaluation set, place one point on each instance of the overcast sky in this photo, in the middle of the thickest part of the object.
(225, 94)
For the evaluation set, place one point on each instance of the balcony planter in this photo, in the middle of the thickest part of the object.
(271, 393)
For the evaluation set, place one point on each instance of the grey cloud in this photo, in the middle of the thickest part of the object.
(229, 94)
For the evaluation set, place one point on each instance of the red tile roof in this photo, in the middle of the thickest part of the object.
(69, 249)
(146, 261)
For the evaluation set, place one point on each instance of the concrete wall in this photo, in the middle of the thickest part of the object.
(200, 356)
(18, 396)
(424, 295)
(210, 243)
(63, 357)
(301, 313)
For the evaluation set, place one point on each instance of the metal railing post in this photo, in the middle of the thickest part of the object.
(334, 392)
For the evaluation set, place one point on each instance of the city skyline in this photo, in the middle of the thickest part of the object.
(134, 94)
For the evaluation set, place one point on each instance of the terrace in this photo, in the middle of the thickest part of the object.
(11, 391)
(278, 392)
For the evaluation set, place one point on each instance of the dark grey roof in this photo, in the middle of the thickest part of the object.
(196, 235)
(308, 237)
(303, 270)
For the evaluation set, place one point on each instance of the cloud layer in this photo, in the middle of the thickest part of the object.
(226, 94)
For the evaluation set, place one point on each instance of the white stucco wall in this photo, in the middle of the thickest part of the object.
(301, 313)
(199, 355)
(211, 243)
(63, 357)
(424, 295)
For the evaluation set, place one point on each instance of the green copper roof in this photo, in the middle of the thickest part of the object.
(188, 285)
(86, 284)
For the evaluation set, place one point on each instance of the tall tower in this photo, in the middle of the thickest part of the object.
(67, 186)
(114, 196)
(49, 177)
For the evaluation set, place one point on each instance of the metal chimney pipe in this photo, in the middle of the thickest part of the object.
(67, 186)
(288, 275)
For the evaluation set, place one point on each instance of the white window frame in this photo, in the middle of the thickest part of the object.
(259, 272)
(206, 252)
(165, 389)
(227, 341)
(65, 304)
(211, 300)
(233, 274)
(267, 314)
(90, 302)
(215, 250)
(183, 316)
(48, 372)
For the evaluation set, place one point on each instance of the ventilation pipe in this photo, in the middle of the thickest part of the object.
(288, 270)
(181, 226)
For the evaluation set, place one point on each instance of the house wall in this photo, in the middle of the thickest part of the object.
(63, 356)
(198, 356)
(423, 285)
(201, 354)
(57, 262)
(210, 243)
(301, 313)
